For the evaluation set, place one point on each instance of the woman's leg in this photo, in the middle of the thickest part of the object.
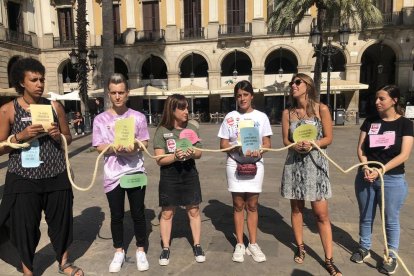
(238, 215)
(116, 200)
(167, 214)
(193, 212)
(320, 210)
(252, 216)
(367, 204)
(136, 198)
(25, 219)
(296, 207)
(395, 190)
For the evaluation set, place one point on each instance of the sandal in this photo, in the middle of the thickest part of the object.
(331, 268)
(300, 254)
(74, 268)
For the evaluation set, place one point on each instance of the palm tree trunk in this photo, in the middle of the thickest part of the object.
(107, 46)
(320, 22)
(83, 67)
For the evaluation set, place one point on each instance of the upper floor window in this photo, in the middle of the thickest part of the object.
(385, 6)
(15, 17)
(117, 21)
(151, 15)
(236, 11)
(65, 20)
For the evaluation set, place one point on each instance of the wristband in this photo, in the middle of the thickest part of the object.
(17, 140)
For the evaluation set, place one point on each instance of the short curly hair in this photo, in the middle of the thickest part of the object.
(19, 69)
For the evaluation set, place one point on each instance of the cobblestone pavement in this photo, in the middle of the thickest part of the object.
(92, 248)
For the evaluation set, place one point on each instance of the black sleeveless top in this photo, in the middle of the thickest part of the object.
(51, 153)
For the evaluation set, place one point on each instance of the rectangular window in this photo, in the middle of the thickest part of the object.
(117, 21)
(15, 17)
(192, 18)
(65, 21)
(385, 6)
(236, 11)
(151, 16)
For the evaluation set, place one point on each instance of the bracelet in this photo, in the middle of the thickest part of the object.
(17, 140)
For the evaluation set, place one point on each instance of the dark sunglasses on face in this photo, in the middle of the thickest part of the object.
(297, 82)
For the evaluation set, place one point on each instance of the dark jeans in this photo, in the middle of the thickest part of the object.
(116, 200)
(81, 127)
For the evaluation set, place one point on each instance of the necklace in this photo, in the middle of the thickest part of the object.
(297, 114)
(27, 101)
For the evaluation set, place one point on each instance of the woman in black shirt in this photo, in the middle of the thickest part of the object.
(386, 138)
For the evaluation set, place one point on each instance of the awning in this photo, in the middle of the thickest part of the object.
(96, 93)
(228, 90)
(147, 91)
(190, 90)
(8, 92)
(344, 85)
(72, 96)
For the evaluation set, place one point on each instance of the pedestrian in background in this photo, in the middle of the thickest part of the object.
(306, 171)
(179, 181)
(387, 138)
(79, 123)
(36, 179)
(245, 189)
(124, 161)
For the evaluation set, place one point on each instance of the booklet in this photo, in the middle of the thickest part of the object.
(42, 114)
(125, 132)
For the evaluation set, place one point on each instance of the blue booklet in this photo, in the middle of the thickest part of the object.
(250, 140)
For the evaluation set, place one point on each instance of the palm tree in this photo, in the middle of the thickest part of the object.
(107, 45)
(83, 67)
(360, 14)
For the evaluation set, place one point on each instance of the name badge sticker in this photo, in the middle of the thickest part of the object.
(374, 129)
(26, 119)
(31, 156)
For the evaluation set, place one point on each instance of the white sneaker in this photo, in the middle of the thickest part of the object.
(117, 261)
(142, 263)
(255, 251)
(238, 254)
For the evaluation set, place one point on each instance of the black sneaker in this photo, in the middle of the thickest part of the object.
(165, 256)
(388, 267)
(360, 255)
(199, 254)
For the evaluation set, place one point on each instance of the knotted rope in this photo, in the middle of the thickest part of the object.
(387, 258)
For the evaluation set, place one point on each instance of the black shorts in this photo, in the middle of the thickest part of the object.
(179, 184)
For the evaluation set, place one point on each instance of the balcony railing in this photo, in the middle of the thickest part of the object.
(286, 31)
(392, 18)
(150, 35)
(59, 42)
(192, 33)
(234, 30)
(18, 38)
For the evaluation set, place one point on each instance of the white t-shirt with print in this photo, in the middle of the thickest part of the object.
(230, 127)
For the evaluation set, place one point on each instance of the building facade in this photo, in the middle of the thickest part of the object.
(210, 44)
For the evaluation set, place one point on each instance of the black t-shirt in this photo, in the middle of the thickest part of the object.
(384, 139)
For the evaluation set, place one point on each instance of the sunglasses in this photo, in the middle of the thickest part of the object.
(297, 82)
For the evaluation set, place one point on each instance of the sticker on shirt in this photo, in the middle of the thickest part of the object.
(386, 140)
(230, 121)
(310, 122)
(374, 129)
(26, 119)
(168, 135)
(31, 156)
(171, 145)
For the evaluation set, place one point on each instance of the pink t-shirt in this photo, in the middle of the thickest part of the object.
(116, 165)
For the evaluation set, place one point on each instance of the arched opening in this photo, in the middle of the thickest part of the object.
(154, 65)
(338, 61)
(194, 63)
(120, 67)
(238, 61)
(377, 69)
(281, 59)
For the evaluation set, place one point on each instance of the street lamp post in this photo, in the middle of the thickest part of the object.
(235, 73)
(79, 62)
(280, 71)
(329, 51)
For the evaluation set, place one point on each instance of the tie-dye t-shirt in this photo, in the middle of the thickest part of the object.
(117, 165)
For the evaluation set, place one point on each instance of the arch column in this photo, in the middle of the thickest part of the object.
(214, 77)
(352, 72)
(403, 75)
(134, 80)
(258, 77)
(173, 80)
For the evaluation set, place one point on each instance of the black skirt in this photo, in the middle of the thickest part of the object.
(179, 184)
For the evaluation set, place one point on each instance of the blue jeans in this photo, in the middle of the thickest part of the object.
(369, 196)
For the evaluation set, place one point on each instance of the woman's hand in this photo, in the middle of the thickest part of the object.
(180, 155)
(30, 132)
(371, 175)
(303, 146)
(254, 153)
(54, 132)
(190, 153)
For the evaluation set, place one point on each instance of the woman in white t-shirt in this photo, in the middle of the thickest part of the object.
(245, 189)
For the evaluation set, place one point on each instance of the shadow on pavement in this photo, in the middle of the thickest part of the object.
(221, 216)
